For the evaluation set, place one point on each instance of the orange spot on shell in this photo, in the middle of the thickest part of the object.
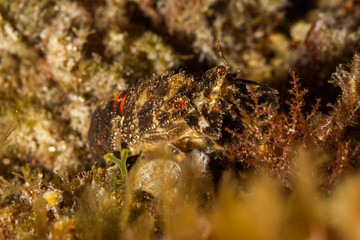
(221, 70)
(122, 105)
(180, 104)
(116, 98)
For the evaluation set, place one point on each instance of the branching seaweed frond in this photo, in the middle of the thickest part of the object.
(272, 143)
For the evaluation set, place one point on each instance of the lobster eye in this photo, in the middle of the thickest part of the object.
(179, 105)
(220, 70)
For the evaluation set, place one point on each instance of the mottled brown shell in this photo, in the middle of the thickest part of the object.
(187, 111)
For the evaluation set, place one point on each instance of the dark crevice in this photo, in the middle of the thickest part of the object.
(179, 41)
(94, 44)
(297, 9)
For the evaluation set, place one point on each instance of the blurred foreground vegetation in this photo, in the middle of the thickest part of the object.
(300, 180)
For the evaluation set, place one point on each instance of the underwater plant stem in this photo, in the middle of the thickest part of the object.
(121, 163)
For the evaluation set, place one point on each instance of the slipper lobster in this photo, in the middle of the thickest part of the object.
(186, 111)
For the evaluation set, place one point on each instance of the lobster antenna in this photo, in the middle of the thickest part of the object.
(218, 49)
